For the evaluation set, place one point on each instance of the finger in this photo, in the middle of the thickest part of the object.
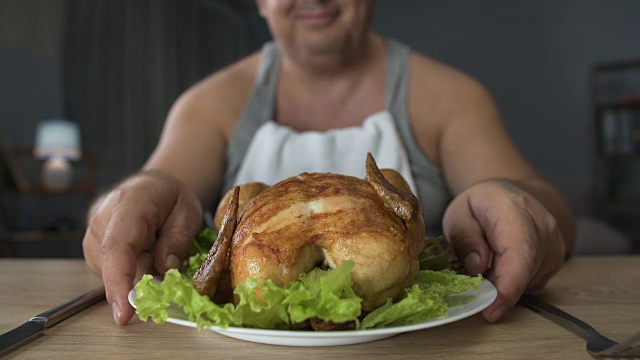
(551, 255)
(125, 237)
(176, 237)
(510, 277)
(118, 273)
(144, 265)
(544, 273)
(512, 240)
(525, 264)
(466, 237)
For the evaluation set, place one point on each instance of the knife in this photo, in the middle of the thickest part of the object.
(26, 332)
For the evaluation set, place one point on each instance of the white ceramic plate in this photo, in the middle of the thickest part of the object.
(471, 302)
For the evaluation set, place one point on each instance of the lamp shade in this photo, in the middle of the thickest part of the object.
(57, 138)
(58, 143)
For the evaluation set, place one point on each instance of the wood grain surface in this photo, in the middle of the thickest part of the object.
(603, 291)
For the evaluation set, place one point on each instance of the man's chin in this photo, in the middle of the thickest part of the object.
(325, 47)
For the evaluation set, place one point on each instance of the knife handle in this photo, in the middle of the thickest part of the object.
(63, 311)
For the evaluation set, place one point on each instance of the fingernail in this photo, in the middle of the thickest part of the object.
(472, 262)
(172, 262)
(117, 314)
(497, 313)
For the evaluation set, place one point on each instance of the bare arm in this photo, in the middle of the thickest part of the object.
(505, 221)
(147, 222)
(192, 144)
(489, 153)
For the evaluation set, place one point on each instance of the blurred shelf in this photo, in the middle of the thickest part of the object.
(47, 244)
(87, 190)
(615, 109)
(86, 186)
(618, 105)
(41, 236)
(44, 209)
(616, 65)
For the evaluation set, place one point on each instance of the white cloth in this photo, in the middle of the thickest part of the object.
(278, 152)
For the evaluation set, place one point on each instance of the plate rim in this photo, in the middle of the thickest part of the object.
(487, 290)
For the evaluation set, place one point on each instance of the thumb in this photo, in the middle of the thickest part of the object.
(466, 237)
(176, 236)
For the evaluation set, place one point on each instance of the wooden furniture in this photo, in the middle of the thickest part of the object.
(602, 291)
(19, 203)
(615, 94)
(86, 186)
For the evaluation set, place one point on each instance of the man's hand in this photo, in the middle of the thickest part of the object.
(502, 231)
(144, 226)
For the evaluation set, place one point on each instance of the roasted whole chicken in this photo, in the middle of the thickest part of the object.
(279, 232)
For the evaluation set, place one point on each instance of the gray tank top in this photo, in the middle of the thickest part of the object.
(259, 109)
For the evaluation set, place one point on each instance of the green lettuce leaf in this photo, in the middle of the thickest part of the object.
(436, 254)
(325, 294)
(202, 243)
(424, 300)
(153, 300)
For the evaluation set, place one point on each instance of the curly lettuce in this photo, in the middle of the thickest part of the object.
(324, 294)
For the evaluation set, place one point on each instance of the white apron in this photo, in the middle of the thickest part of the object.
(278, 152)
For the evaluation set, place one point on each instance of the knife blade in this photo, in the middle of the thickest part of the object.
(28, 331)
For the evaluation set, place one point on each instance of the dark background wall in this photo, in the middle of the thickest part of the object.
(533, 55)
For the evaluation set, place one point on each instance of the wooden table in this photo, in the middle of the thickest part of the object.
(604, 291)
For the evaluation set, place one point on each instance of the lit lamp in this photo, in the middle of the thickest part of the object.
(57, 143)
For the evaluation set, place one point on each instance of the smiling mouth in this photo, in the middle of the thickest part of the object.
(317, 18)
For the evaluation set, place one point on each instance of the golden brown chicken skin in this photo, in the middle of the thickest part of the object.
(291, 227)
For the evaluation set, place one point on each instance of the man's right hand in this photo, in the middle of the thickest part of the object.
(144, 226)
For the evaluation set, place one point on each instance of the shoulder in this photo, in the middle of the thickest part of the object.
(219, 98)
(442, 97)
(458, 126)
(442, 87)
(199, 126)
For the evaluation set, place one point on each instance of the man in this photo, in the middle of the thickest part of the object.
(327, 76)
